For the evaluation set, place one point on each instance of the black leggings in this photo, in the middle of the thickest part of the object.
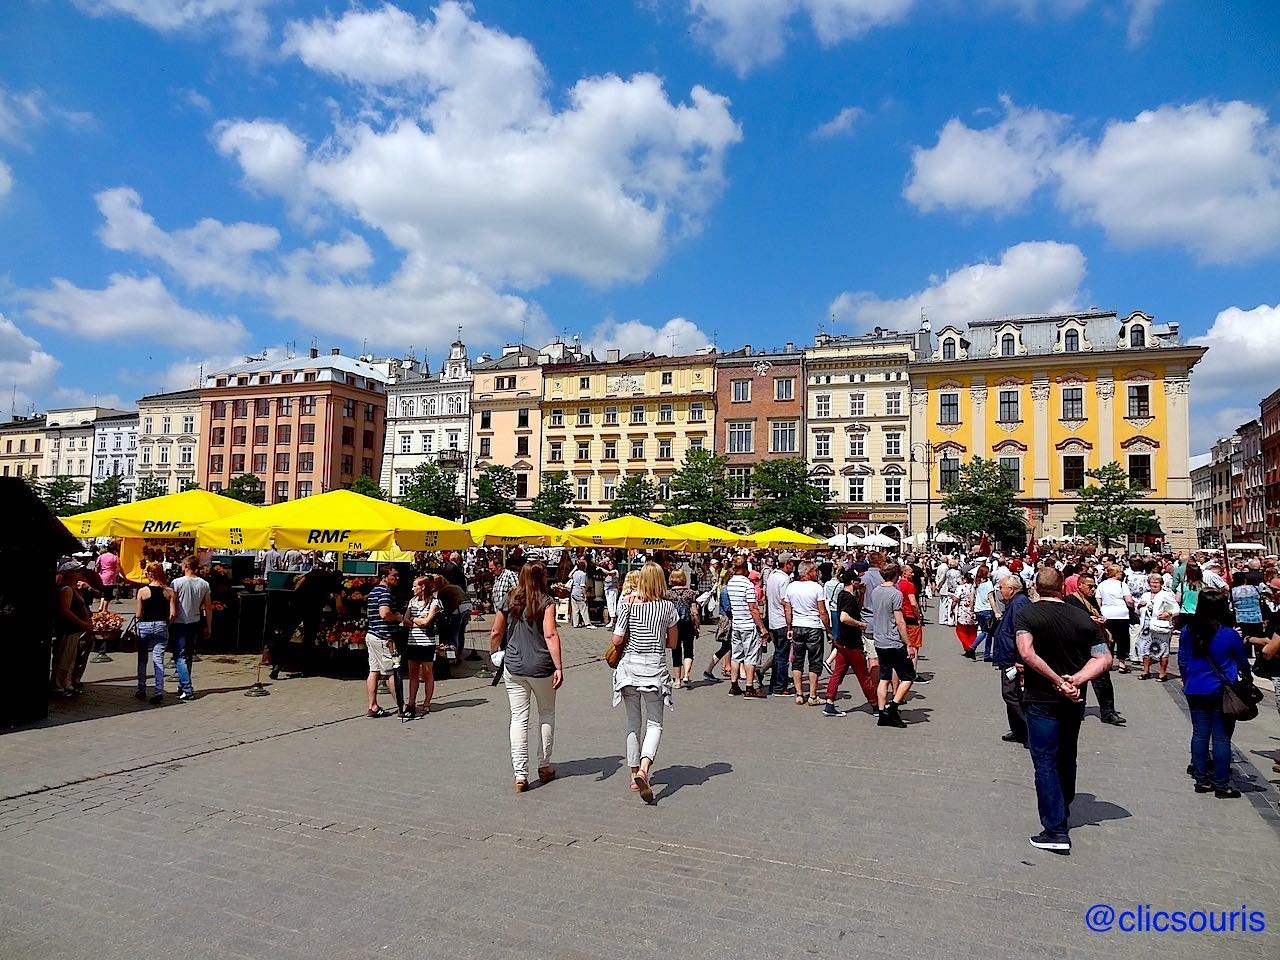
(683, 650)
(1119, 630)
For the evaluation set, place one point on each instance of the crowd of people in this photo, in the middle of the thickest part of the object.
(1050, 626)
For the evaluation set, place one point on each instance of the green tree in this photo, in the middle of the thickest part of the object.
(432, 491)
(246, 488)
(700, 491)
(636, 496)
(1106, 511)
(365, 486)
(554, 503)
(61, 494)
(785, 495)
(185, 485)
(150, 487)
(495, 492)
(107, 492)
(982, 501)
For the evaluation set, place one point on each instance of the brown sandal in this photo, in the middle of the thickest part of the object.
(522, 786)
(546, 774)
(641, 782)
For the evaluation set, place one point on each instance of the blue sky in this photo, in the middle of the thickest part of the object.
(184, 182)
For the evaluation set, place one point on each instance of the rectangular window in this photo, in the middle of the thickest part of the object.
(611, 450)
(522, 486)
(1009, 406)
(282, 463)
(637, 413)
(282, 491)
(893, 444)
(215, 463)
(949, 409)
(349, 409)
(666, 378)
(239, 436)
(892, 489)
(370, 413)
(261, 435)
(948, 473)
(664, 449)
(695, 443)
(309, 376)
(259, 463)
(240, 409)
(522, 446)
(218, 436)
(742, 437)
(1011, 469)
(610, 416)
(893, 403)
(1139, 400)
(187, 456)
(347, 465)
(308, 406)
(583, 485)
(664, 488)
(584, 450)
(366, 438)
(584, 383)
(637, 449)
(610, 487)
(822, 446)
(584, 416)
(1140, 471)
(406, 443)
(739, 482)
(557, 418)
(286, 378)
(237, 463)
(1073, 473)
(504, 383)
(304, 488)
(284, 433)
(188, 424)
(857, 489)
(261, 408)
(741, 391)
(306, 462)
(666, 413)
(486, 446)
(784, 388)
(366, 466)
(857, 404)
(697, 412)
(522, 418)
(348, 436)
(307, 433)
(486, 419)
(823, 484)
(146, 427)
(857, 444)
(285, 406)
(166, 424)
(822, 405)
(782, 436)
(1072, 403)
(428, 442)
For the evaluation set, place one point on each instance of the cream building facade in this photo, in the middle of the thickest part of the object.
(169, 431)
(69, 444)
(22, 446)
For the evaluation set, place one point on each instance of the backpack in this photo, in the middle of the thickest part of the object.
(684, 612)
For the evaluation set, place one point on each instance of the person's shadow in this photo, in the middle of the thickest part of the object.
(602, 767)
(673, 778)
(1088, 811)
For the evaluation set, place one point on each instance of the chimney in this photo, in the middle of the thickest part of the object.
(314, 353)
(334, 351)
(746, 349)
(524, 360)
(791, 347)
(613, 356)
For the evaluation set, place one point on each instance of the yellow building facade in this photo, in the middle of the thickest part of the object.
(1050, 398)
(22, 447)
(631, 415)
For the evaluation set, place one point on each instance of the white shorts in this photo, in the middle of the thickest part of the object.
(745, 647)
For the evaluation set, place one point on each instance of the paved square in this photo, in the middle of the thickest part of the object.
(289, 826)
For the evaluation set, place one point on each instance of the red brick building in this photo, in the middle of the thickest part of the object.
(1270, 408)
(301, 426)
(760, 411)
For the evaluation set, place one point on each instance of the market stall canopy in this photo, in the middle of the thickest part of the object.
(391, 556)
(340, 521)
(945, 537)
(626, 532)
(877, 540)
(778, 537)
(506, 529)
(173, 516)
(703, 537)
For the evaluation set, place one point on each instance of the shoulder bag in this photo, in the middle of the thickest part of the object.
(1240, 699)
(614, 651)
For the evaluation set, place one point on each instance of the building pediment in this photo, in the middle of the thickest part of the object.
(1140, 444)
(1010, 446)
(1073, 444)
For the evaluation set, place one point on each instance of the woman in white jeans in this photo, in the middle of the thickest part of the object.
(646, 629)
(524, 627)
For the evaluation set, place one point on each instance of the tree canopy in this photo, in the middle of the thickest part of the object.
(636, 496)
(785, 495)
(367, 486)
(107, 492)
(149, 487)
(433, 491)
(1106, 510)
(61, 494)
(982, 502)
(246, 488)
(700, 491)
(554, 504)
(495, 492)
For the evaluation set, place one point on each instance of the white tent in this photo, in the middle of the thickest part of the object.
(842, 540)
(877, 540)
(945, 537)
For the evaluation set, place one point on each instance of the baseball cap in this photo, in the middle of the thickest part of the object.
(786, 556)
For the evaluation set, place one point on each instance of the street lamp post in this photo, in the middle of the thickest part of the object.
(927, 459)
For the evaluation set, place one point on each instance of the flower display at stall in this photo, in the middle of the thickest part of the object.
(348, 634)
(104, 621)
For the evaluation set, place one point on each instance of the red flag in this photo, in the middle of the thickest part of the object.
(1033, 551)
(984, 546)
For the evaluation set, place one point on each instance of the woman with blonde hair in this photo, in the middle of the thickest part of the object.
(524, 628)
(1116, 602)
(645, 630)
(421, 618)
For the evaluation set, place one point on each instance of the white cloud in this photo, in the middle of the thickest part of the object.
(1204, 176)
(1142, 14)
(6, 179)
(19, 111)
(272, 158)
(634, 336)
(127, 307)
(1034, 277)
(1244, 354)
(839, 125)
(747, 33)
(80, 397)
(26, 369)
(995, 168)
(244, 18)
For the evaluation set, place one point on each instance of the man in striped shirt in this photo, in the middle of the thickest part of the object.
(746, 636)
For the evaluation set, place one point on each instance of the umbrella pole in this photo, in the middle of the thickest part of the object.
(259, 689)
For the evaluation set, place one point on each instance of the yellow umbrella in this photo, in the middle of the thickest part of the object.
(341, 521)
(703, 537)
(391, 556)
(175, 515)
(508, 530)
(776, 537)
(626, 532)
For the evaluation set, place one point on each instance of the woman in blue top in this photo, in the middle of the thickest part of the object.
(1210, 652)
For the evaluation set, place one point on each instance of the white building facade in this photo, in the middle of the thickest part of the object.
(115, 450)
(169, 439)
(428, 418)
(70, 445)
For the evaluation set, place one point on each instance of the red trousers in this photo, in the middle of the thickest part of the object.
(850, 658)
(967, 634)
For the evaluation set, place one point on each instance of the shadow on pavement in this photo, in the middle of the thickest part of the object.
(101, 700)
(673, 778)
(917, 715)
(604, 767)
(1088, 811)
(438, 705)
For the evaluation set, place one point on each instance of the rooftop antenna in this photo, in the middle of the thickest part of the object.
(673, 344)
(715, 341)
(459, 333)
(524, 322)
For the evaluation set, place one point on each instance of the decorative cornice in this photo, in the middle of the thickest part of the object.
(1040, 392)
(919, 398)
(1008, 426)
(1140, 443)
(1073, 443)
(1005, 445)
(1009, 382)
(1139, 376)
(1140, 423)
(1073, 425)
(978, 394)
(950, 446)
(1106, 389)
(1176, 387)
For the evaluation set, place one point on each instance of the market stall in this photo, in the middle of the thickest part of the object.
(779, 538)
(704, 538)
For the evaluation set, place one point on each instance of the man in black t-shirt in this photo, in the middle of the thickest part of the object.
(1061, 650)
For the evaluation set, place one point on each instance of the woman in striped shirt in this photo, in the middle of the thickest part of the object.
(647, 626)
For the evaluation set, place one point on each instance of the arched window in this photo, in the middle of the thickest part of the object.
(948, 349)
(455, 404)
(1071, 341)
(1137, 335)
(406, 407)
(429, 407)
(1007, 345)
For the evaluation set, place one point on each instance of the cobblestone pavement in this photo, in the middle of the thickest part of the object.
(289, 826)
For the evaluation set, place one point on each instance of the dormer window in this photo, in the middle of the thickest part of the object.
(1008, 345)
(1071, 341)
(1138, 336)
(948, 349)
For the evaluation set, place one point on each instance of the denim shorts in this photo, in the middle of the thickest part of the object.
(807, 642)
(745, 647)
